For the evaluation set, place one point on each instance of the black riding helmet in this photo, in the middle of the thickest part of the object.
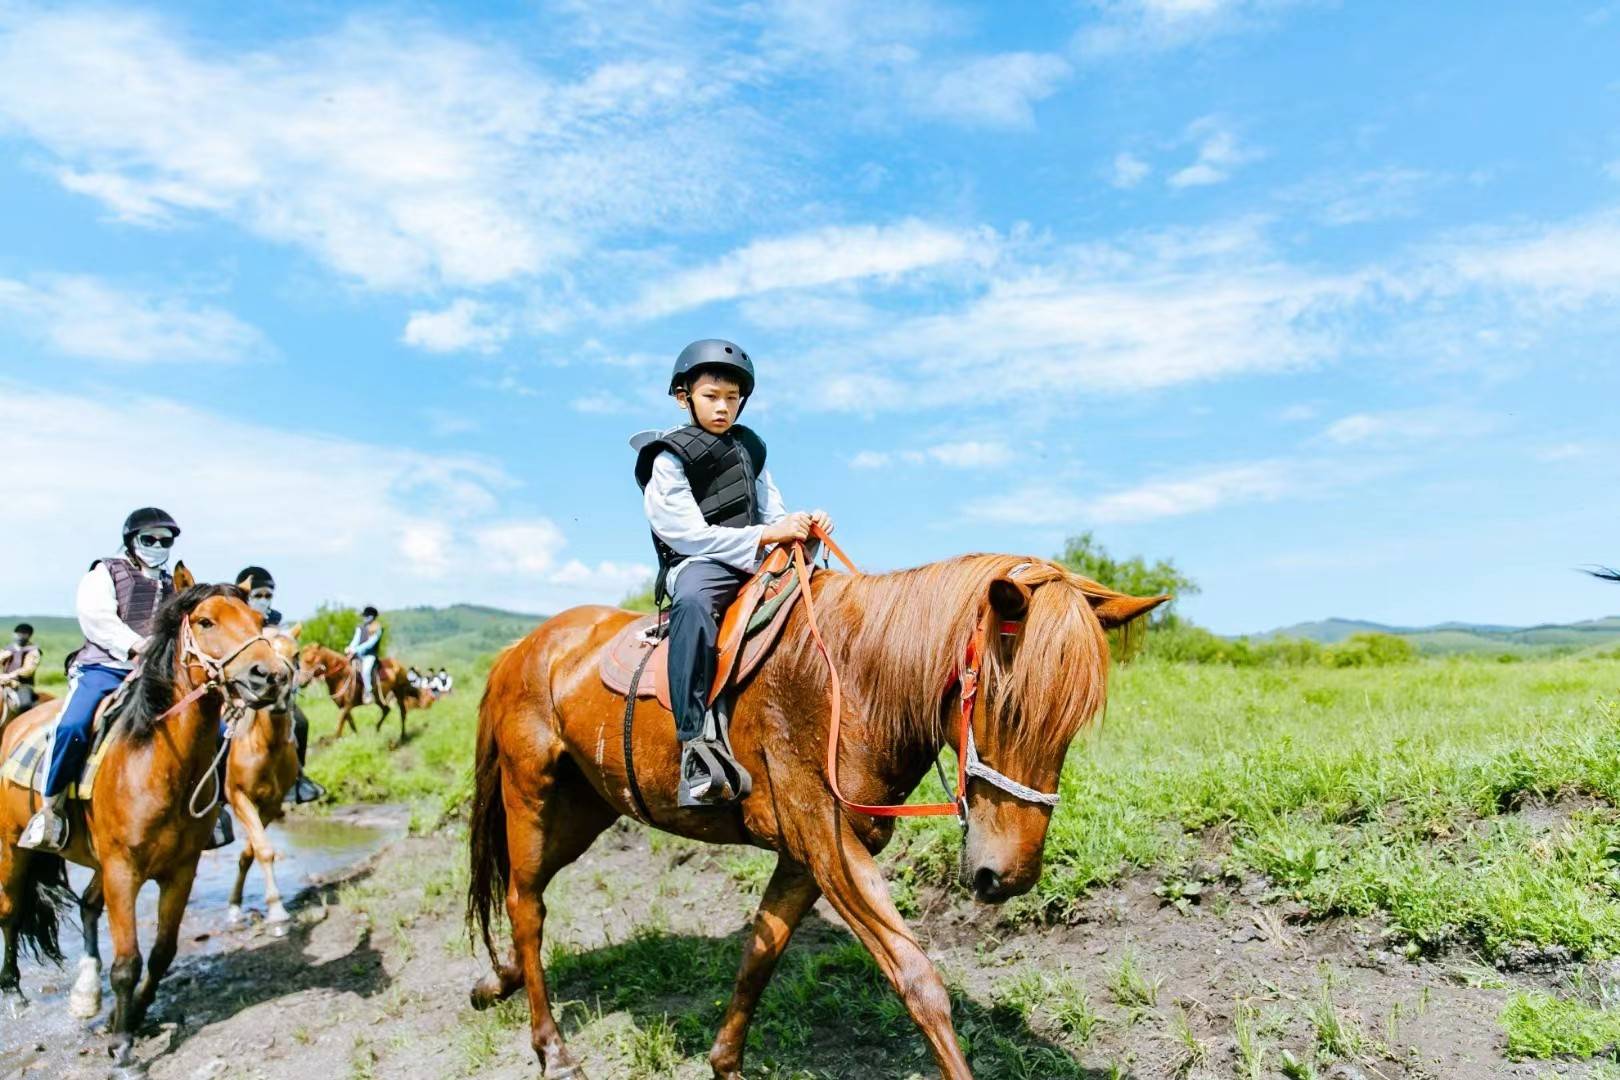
(148, 517)
(713, 354)
(369, 613)
(23, 628)
(256, 577)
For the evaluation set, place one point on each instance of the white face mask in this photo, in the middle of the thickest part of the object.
(20, 640)
(151, 554)
(261, 604)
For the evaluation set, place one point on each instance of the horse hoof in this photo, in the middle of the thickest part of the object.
(12, 1002)
(564, 1072)
(278, 915)
(233, 915)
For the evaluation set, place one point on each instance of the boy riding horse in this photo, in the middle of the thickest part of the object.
(713, 509)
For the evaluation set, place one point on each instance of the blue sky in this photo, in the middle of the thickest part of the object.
(1319, 300)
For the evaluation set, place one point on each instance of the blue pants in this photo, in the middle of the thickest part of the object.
(703, 591)
(91, 683)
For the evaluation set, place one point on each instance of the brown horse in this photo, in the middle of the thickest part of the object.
(206, 654)
(551, 765)
(262, 767)
(343, 684)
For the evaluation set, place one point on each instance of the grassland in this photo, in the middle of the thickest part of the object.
(1471, 806)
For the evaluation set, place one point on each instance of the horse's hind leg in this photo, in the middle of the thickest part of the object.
(547, 827)
(792, 892)
(84, 1001)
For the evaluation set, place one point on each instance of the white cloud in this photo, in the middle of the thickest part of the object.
(1128, 170)
(1563, 265)
(86, 317)
(1371, 195)
(1132, 26)
(1219, 154)
(465, 326)
(399, 155)
(967, 454)
(390, 526)
(1153, 310)
(1175, 496)
(1407, 425)
(816, 258)
(998, 90)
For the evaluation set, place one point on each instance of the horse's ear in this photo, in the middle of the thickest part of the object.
(1009, 599)
(183, 578)
(296, 631)
(1119, 609)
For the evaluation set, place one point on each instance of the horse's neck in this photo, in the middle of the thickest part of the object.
(191, 735)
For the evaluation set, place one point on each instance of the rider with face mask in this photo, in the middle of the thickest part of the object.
(363, 648)
(261, 589)
(18, 662)
(117, 603)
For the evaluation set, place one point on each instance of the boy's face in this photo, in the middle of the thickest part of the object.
(714, 400)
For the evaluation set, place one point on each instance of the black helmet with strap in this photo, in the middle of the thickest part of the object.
(148, 517)
(713, 354)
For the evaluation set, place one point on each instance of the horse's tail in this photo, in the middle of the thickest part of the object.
(45, 892)
(486, 888)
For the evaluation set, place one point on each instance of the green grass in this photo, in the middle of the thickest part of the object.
(1542, 1026)
(1355, 791)
(433, 769)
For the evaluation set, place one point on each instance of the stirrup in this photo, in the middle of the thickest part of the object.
(710, 774)
(222, 832)
(304, 790)
(46, 831)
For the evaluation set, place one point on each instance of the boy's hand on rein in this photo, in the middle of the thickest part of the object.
(795, 526)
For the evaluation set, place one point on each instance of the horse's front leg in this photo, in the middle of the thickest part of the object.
(258, 841)
(792, 892)
(84, 1001)
(382, 717)
(854, 885)
(173, 893)
(120, 885)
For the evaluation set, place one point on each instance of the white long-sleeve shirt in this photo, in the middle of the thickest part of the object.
(673, 513)
(96, 605)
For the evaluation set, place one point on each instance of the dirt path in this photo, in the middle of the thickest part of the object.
(643, 939)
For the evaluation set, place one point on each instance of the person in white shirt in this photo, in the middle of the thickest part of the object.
(117, 602)
(362, 651)
(713, 509)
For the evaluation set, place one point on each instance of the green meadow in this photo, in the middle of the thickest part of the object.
(1469, 803)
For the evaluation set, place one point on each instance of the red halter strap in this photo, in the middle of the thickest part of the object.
(967, 678)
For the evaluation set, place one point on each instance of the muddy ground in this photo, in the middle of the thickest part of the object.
(372, 981)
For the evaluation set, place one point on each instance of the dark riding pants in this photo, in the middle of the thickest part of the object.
(301, 733)
(703, 590)
(71, 747)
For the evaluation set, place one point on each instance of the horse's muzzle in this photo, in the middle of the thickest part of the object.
(261, 685)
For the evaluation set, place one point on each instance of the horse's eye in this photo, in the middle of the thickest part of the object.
(205, 624)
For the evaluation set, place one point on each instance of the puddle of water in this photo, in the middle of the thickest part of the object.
(43, 1040)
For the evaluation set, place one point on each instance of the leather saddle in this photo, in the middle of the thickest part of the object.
(748, 631)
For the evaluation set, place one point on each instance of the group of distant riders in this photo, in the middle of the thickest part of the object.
(116, 604)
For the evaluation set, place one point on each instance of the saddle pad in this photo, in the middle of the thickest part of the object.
(625, 652)
(28, 762)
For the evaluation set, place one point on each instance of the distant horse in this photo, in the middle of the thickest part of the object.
(207, 653)
(551, 764)
(262, 768)
(343, 684)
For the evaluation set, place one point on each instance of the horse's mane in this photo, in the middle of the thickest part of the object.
(898, 640)
(154, 693)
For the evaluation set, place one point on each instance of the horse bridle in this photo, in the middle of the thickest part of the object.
(966, 679)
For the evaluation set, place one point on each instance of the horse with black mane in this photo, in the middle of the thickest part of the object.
(206, 660)
(1003, 658)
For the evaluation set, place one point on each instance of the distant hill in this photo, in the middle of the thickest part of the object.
(1456, 637)
(456, 637)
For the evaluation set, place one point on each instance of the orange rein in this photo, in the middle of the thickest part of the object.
(968, 678)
